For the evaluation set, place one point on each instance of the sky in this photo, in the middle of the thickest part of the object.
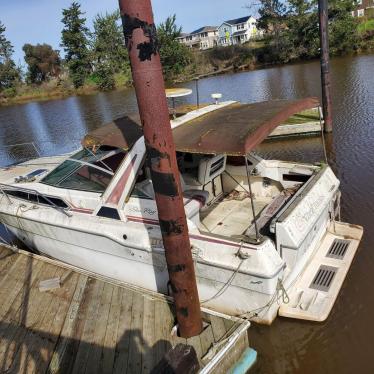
(39, 21)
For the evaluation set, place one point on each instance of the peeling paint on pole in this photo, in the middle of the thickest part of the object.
(325, 64)
(142, 44)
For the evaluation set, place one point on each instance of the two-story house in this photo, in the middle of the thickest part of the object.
(365, 8)
(203, 38)
(237, 31)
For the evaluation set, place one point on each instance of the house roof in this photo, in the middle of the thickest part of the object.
(204, 29)
(233, 130)
(238, 20)
(237, 129)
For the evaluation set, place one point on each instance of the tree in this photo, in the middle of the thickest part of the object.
(342, 26)
(75, 43)
(43, 62)
(302, 29)
(9, 74)
(174, 55)
(109, 51)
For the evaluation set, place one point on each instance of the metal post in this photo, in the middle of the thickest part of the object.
(252, 201)
(142, 44)
(197, 93)
(325, 64)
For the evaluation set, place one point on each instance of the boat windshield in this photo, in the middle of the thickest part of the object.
(86, 170)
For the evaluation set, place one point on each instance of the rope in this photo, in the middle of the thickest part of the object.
(322, 135)
(230, 280)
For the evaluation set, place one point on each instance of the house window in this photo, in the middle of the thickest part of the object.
(240, 27)
(359, 2)
(360, 13)
(353, 13)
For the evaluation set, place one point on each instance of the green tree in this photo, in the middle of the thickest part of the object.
(302, 29)
(75, 43)
(43, 62)
(108, 48)
(9, 74)
(342, 26)
(175, 57)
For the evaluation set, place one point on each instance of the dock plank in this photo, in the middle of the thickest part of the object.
(30, 315)
(136, 343)
(148, 356)
(87, 325)
(89, 328)
(110, 340)
(97, 346)
(123, 338)
(62, 358)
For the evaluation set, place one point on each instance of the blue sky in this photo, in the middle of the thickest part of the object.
(39, 21)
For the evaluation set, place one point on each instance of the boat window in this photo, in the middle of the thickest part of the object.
(86, 170)
(108, 212)
(38, 199)
(143, 188)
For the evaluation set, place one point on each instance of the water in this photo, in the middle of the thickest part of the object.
(342, 344)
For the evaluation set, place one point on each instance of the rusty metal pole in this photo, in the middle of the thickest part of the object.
(325, 64)
(142, 44)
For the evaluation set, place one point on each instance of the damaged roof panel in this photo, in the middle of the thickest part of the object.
(238, 128)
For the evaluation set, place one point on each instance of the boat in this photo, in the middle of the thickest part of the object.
(265, 235)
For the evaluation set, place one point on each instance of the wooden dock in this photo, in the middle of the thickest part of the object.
(95, 325)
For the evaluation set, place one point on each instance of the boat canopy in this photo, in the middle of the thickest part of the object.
(238, 128)
(121, 133)
(233, 130)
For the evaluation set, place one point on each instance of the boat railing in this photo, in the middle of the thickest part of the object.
(21, 152)
(40, 197)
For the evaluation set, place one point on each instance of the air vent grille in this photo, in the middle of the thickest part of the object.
(324, 277)
(338, 249)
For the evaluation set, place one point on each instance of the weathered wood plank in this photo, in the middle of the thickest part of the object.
(97, 348)
(29, 317)
(63, 357)
(89, 328)
(148, 335)
(123, 336)
(110, 341)
(62, 299)
(136, 343)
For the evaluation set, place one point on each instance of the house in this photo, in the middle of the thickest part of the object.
(237, 31)
(365, 8)
(203, 38)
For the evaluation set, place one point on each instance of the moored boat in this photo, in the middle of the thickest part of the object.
(264, 233)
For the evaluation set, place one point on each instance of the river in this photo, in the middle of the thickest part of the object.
(345, 342)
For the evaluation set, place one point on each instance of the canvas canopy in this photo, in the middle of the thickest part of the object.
(233, 130)
(237, 129)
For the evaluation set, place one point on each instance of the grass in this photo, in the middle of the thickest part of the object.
(366, 26)
(310, 115)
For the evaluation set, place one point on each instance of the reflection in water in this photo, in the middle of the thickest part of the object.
(343, 344)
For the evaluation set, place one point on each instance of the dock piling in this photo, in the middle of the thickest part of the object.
(142, 44)
(325, 64)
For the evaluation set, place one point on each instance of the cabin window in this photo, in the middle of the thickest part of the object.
(108, 212)
(38, 199)
(86, 170)
(143, 188)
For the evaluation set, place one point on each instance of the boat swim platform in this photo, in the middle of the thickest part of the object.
(90, 324)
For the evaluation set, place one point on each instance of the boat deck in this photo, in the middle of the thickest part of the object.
(93, 325)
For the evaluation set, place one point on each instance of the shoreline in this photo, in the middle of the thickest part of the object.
(58, 94)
